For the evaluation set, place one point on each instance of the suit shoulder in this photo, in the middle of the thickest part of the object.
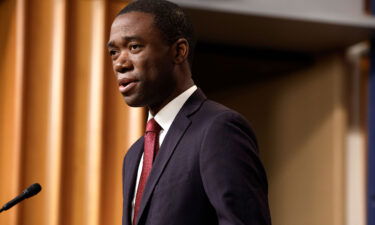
(214, 111)
(213, 114)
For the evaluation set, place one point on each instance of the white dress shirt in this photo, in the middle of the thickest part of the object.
(164, 118)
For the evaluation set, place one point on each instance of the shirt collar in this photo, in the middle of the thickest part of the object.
(167, 114)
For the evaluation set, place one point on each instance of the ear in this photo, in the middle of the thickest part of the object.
(181, 51)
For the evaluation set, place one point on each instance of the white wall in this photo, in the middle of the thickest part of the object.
(299, 8)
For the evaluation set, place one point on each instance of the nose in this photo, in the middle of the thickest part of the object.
(122, 64)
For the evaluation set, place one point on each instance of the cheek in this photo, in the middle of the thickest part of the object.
(141, 64)
(151, 67)
(147, 69)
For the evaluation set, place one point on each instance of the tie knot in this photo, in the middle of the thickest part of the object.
(152, 126)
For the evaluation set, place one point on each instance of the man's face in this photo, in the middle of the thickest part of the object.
(142, 60)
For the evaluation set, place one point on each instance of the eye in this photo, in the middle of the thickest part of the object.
(112, 52)
(135, 47)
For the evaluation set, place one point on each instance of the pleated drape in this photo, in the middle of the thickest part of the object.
(63, 122)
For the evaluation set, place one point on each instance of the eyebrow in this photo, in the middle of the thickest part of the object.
(111, 44)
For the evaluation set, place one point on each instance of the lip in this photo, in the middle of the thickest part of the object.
(126, 84)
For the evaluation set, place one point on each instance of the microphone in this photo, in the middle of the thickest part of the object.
(27, 193)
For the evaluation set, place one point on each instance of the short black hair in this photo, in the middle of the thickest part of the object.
(169, 18)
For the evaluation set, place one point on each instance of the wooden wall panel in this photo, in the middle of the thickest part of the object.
(76, 112)
(63, 122)
(10, 103)
(37, 78)
(94, 141)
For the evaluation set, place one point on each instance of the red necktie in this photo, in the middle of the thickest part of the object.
(151, 147)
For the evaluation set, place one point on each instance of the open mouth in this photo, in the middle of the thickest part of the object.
(126, 84)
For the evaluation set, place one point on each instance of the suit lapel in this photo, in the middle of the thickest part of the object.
(175, 133)
(130, 175)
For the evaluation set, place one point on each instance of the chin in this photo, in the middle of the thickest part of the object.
(132, 102)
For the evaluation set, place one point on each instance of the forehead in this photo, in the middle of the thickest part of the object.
(133, 23)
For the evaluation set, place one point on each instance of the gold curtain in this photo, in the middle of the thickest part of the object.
(62, 121)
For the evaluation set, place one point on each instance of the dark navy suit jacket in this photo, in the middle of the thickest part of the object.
(207, 171)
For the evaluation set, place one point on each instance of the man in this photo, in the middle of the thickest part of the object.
(198, 162)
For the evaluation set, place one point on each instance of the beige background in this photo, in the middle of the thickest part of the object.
(300, 120)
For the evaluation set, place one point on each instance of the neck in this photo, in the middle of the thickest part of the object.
(181, 88)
